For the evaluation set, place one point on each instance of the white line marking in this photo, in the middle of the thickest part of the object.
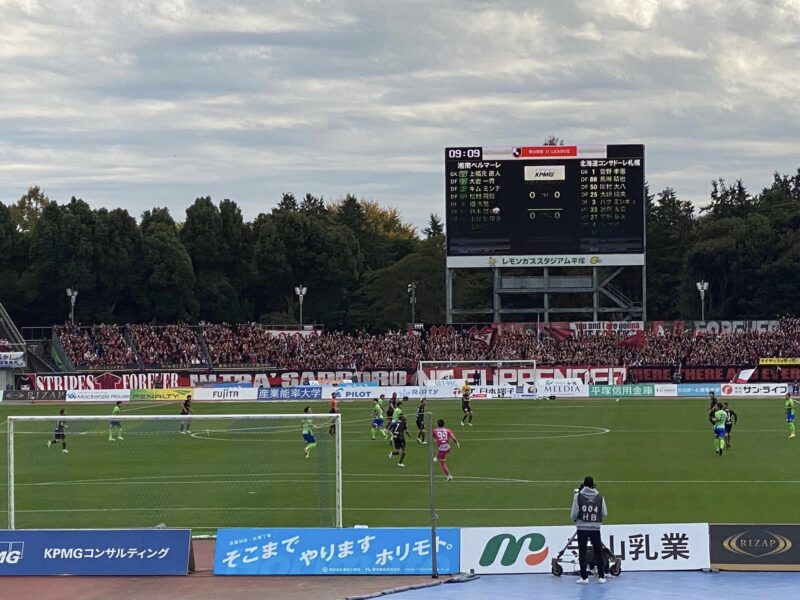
(284, 508)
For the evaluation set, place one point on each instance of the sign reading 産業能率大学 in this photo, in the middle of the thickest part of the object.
(320, 551)
(94, 552)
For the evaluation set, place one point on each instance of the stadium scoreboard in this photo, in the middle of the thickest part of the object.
(545, 205)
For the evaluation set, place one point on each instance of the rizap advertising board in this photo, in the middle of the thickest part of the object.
(755, 547)
(94, 552)
(317, 551)
(510, 550)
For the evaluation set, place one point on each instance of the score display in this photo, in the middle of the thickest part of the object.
(545, 200)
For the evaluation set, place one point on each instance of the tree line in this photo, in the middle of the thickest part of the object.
(357, 258)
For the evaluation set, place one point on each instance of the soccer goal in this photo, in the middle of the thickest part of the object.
(206, 472)
(476, 372)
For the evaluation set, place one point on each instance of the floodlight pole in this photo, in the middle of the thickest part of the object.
(72, 295)
(702, 287)
(301, 292)
(412, 293)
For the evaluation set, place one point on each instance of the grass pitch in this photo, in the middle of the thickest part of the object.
(653, 459)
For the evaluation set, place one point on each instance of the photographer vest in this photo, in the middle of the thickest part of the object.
(590, 509)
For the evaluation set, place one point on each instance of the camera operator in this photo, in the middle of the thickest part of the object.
(588, 510)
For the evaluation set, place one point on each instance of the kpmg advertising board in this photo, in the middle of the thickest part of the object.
(398, 377)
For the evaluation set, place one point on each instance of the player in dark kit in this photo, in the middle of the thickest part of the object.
(399, 438)
(421, 422)
(60, 434)
(712, 401)
(466, 404)
(186, 410)
(729, 423)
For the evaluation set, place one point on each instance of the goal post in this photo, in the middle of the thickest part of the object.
(489, 372)
(226, 470)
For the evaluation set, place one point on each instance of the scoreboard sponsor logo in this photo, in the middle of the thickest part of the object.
(545, 173)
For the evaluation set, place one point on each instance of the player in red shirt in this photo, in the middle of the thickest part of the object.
(442, 436)
(333, 410)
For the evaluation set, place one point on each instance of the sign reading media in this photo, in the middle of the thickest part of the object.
(94, 552)
(334, 551)
(755, 547)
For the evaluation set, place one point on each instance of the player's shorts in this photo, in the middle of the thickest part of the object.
(59, 436)
(790, 418)
(377, 422)
(728, 427)
(465, 406)
(719, 432)
(389, 413)
(420, 423)
(333, 411)
(441, 454)
(400, 442)
(309, 438)
(115, 424)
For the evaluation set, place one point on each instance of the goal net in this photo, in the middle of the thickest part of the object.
(212, 471)
(476, 372)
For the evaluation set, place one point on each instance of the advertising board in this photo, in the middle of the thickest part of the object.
(755, 547)
(327, 551)
(94, 551)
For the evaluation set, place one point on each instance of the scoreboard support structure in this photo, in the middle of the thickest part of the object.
(607, 299)
(548, 221)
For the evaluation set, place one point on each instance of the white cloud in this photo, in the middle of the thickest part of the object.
(157, 102)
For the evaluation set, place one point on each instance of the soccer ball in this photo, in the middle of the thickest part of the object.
(496, 210)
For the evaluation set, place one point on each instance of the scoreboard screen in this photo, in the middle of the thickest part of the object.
(545, 201)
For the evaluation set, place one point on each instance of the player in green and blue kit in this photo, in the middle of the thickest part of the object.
(377, 417)
(308, 432)
(718, 418)
(115, 424)
(789, 414)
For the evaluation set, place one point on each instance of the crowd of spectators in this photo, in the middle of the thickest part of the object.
(256, 345)
(3, 345)
(170, 345)
(98, 346)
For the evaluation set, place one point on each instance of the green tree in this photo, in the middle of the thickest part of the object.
(169, 275)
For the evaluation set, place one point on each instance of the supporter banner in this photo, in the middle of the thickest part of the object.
(174, 379)
(509, 550)
(701, 327)
(154, 395)
(12, 360)
(305, 392)
(698, 389)
(603, 327)
(669, 390)
(522, 375)
(98, 395)
(94, 552)
(226, 394)
(779, 361)
(34, 396)
(334, 551)
(713, 374)
(755, 547)
(617, 391)
(754, 389)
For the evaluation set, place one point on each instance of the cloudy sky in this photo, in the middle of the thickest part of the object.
(155, 102)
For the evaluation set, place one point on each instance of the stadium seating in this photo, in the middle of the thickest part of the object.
(253, 345)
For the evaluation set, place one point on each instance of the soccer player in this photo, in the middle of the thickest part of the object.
(442, 435)
(399, 438)
(729, 422)
(377, 417)
(712, 401)
(308, 433)
(466, 403)
(718, 418)
(789, 414)
(115, 424)
(421, 421)
(392, 405)
(60, 434)
(186, 410)
(333, 408)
